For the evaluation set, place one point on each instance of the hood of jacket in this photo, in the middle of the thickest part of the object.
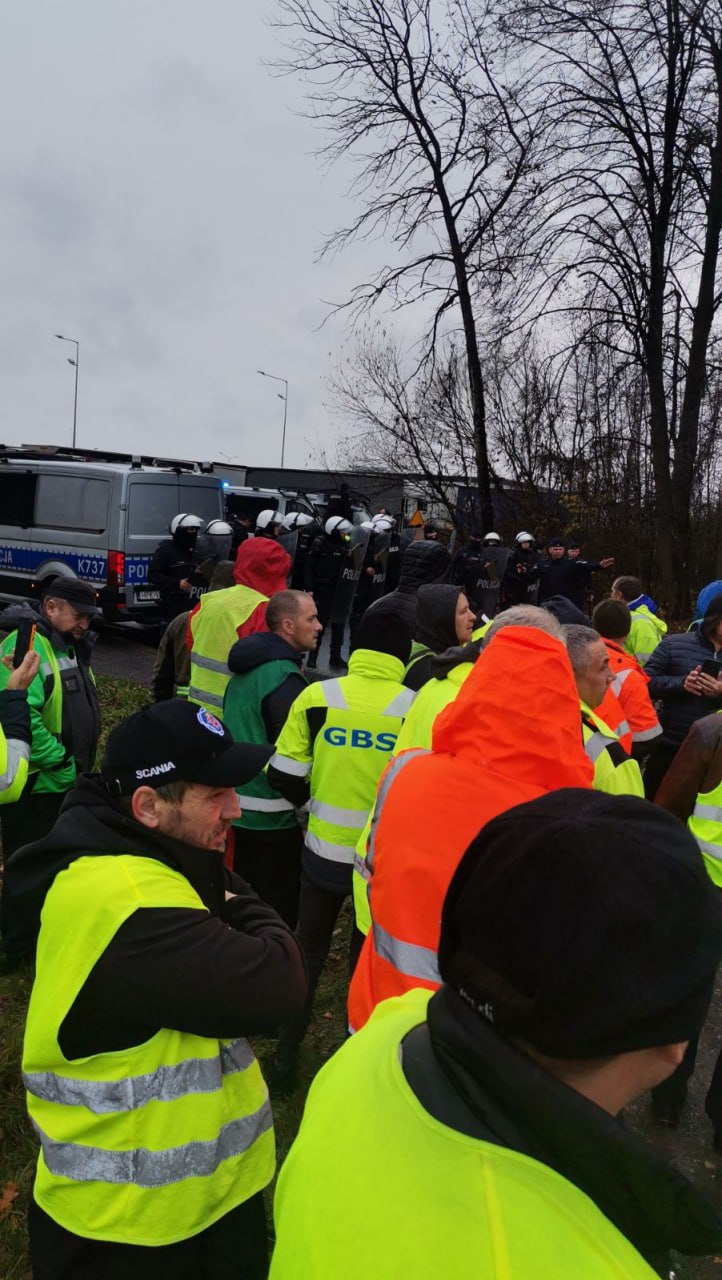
(641, 610)
(263, 565)
(518, 713)
(436, 616)
(254, 651)
(423, 562)
(90, 824)
(442, 664)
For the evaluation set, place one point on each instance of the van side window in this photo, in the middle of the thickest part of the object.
(17, 495)
(72, 502)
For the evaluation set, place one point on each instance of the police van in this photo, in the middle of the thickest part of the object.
(96, 516)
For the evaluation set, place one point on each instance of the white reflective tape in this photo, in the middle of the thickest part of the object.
(622, 728)
(644, 735)
(710, 812)
(619, 679)
(713, 850)
(201, 695)
(401, 703)
(66, 662)
(210, 664)
(328, 849)
(16, 752)
(264, 804)
(596, 744)
(359, 865)
(287, 764)
(334, 695)
(393, 771)
(408, 958)
(339, 817)
(141, 1167)
(165, 1084)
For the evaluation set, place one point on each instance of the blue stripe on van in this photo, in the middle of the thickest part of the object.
(91, 567)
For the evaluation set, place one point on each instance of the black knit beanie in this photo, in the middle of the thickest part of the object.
(382, 630)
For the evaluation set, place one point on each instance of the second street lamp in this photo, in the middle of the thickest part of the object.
(75, 362)
(284, 398)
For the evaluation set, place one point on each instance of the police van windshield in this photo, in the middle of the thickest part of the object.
(151, 507)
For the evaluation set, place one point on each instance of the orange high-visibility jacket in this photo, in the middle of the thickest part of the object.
(512, 734)
(626, 706)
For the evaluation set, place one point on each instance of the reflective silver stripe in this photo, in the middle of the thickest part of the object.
(619, 679)
(710, 812)
(622, 728)
(102, 1097)
(359, 865)
(143, 1168)
(390, 775)
(706, 846)
(644, 735)
(201, 695)
(287, 764)
(598, 743)
(16, 752)
(210, 664)
(642, 657)
(46, 669)
(65, 661)
(262, 804)
(401, 703)
(341, 817)
(327, 849)
(406, 957)
(333, 693)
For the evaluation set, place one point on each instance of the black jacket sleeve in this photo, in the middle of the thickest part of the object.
(159, 569)
(277, 704)
(15, 715)
(189, 971)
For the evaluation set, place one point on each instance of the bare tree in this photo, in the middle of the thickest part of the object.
(445, 148)
(634, 212)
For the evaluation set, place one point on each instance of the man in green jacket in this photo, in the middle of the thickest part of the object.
(64, 719)
(266, 679)
(647, 628)
(335, 745)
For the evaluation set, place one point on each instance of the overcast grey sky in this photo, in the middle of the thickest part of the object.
(160, 202)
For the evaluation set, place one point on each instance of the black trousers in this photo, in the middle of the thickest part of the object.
(323, 597)
(317, 915)
(28, 819)
(660, 758)
(271, 863)
(234, 1248)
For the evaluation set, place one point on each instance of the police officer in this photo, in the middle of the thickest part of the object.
(473, 1132)
(332, 751)
(324, 564)
(172, 566)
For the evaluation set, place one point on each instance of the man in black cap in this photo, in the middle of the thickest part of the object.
(580, 937)
(64, 712)
(153, 964)
(561, 576)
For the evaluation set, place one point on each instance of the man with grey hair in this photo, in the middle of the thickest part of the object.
(266, 679)
(614, 771)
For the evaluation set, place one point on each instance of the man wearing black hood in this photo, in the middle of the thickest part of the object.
(266, 679)
(580, 937)
(153, 964)
(172, 566)
(443, 620)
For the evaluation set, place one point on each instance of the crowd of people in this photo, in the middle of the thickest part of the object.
(517, 791)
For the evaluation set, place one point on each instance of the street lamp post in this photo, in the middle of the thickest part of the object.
(75, 362)
(284, 398)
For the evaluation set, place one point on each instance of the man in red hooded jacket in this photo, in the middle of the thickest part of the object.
(222, 617)
(512, 734)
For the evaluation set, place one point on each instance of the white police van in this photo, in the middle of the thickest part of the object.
(96, 516)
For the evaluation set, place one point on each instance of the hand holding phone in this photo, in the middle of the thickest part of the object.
(25, 641)
(23, 676)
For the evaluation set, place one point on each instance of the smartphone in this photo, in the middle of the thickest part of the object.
(25, 641)
(711, 668)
